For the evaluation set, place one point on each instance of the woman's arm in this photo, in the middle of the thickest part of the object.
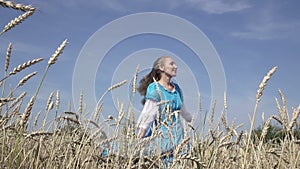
(185, 114)
(147, 116)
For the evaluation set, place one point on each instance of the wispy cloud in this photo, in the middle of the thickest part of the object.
(218, 6)
(267, 23)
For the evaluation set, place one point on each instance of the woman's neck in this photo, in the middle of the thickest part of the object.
(166, 82)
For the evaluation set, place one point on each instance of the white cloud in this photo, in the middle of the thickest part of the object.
(218, 6)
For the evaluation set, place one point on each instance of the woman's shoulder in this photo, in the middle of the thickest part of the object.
(153, 85)
(152, 92)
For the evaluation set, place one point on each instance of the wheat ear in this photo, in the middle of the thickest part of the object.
(25, 79)
(264, 82)
(17, 21)
(8, 54)
(21, 7)
(27, 112)
(17, 100)
(80, 103)
(59, 50)
(6, 100)
(259, 93)
(295, 116)
(51, 61)
(25, 65)
(135, 79)
(266, 128)
(22, 67)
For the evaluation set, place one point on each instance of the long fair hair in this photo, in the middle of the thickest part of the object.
(154, 74)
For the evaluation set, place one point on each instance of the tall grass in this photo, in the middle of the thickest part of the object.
(73, 141)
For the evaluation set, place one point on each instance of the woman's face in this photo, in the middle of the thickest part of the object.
(169, 67)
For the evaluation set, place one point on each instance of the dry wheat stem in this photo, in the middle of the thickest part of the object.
(38, 133)
(72, 113)
(11, 4)
(278, 120)
(258, 98)
(16, 21)
(111, 88)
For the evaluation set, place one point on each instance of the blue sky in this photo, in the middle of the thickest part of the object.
(250, 37)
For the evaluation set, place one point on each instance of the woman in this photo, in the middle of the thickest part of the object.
(163, 106)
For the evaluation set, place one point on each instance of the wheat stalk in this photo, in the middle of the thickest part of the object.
(80, 103)
(59, 50)
(39, 133)
(6, 100)
(264, 82)
(21, 7)
(27, 112)
(25, 65)
(17, 21)
(57, 100)
(295, 116)
(48, 105)
(7, 58)
(22, 67)
(266, 128)
(22, 95)
(135, 79)
(51, 61)
(25, 79)
(36, 118)
(259, 93)
(117, 85)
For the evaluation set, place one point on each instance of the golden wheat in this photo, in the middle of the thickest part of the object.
(7, 58)
(57, 100)
(17, 21)
(25, 65)
(27, 112)
(295, 116)
(25, 79)
(59, 50)
(135, 79)
(18, 99)
(21, 7)
(263, 84)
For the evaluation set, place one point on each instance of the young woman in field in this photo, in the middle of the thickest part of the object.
(163, 106)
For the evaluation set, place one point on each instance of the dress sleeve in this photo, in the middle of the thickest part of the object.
(148, 114)
(185, 114)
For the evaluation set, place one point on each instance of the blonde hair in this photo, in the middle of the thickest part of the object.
(154, 74)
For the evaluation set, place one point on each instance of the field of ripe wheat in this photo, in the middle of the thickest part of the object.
(71, 140)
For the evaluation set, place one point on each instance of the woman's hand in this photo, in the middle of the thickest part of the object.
(142, 133)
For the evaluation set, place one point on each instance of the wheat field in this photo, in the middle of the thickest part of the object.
(71, 140)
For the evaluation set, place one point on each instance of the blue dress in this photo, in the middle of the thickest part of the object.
(168, 119)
